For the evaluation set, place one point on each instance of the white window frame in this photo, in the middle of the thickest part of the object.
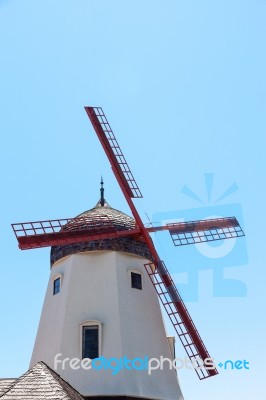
(136, 271)
(91, 322)
(55, 277)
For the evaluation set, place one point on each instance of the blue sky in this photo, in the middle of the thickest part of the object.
(183, 85)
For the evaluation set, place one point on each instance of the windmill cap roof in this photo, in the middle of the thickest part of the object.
(118, 221)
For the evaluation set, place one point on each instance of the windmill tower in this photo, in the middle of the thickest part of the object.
(101, 301)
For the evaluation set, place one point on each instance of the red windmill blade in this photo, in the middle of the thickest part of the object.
(66, 231)
(157, 270)
(206, 230)
(31, 235)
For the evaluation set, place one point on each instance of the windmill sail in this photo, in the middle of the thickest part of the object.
(159, 274)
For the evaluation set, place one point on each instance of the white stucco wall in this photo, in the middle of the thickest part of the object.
(97, 286)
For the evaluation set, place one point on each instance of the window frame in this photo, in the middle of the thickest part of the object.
(56, 278)
(90, 323)
(139, 272)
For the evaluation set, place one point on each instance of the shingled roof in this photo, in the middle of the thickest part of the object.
(39, 383)
(5, 384)
(119, 222)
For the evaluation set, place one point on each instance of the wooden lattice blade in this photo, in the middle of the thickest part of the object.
(113, 150)
(184, 233)
(38, 234)
(130, 190)
(181, 319)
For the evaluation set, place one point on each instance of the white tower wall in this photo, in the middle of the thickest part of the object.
(96, 286)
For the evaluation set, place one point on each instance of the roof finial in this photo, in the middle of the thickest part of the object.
(102, 192)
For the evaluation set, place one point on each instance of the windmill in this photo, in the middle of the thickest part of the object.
(38, 234)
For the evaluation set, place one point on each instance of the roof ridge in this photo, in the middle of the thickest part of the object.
(48, 369)
(59, 379)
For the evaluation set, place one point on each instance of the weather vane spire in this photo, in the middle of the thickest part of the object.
(102, 192)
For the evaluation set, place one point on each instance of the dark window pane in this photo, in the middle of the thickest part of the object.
(136, 280)
(90, 342)
(56, 286)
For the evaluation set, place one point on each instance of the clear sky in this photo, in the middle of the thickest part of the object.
(183, 85)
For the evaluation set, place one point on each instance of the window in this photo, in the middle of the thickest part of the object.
(136, 281)
(57, 285)
(90, 341)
